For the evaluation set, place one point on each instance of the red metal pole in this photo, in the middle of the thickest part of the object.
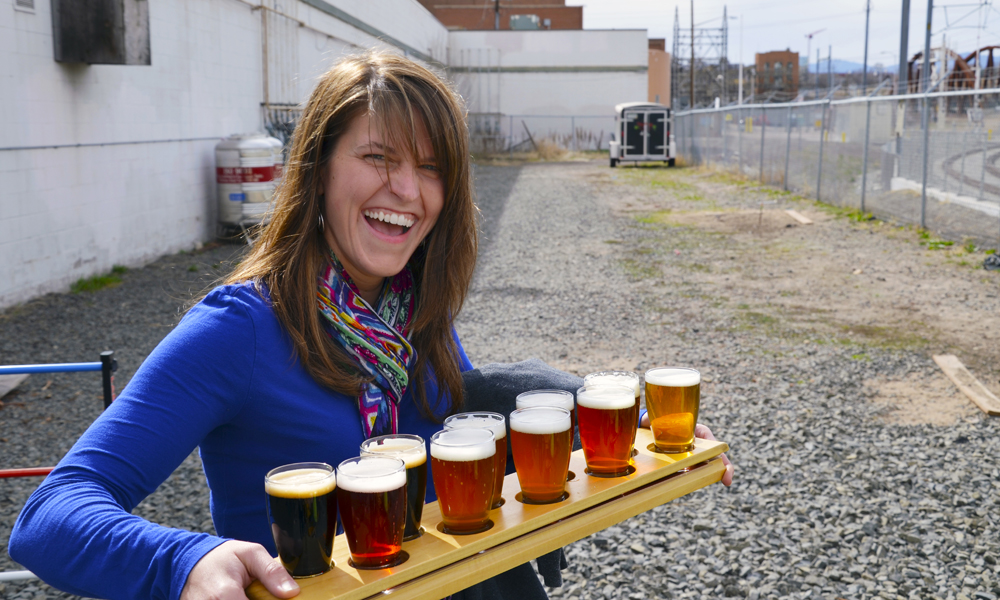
(31, 472)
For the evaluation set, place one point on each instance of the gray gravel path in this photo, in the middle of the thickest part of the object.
(829, 500)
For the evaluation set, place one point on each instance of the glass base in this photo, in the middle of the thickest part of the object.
(628, 471)
(400, 558)
(489, 525)
(498, 504)
(658, 450)
(416, 535)
(520, 498)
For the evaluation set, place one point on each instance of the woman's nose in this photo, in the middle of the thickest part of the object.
(404, 182)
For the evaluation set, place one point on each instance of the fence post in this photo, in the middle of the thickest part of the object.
(822, 135)
(763, 124)
(982, 173)
(923, 184)
(864, 154)
(572, 124)
(741, 127)
(788, 144)
(961, 180)
(510, 132)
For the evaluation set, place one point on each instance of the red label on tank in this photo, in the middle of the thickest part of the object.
(244, 174)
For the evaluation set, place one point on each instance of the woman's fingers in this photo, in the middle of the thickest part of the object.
(703, 432)
(226, 571)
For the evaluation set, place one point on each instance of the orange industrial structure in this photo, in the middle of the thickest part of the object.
(505, 14)
(659, 72)
(962, 72)
(777, 74)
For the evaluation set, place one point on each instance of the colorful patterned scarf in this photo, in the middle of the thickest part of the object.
(376, 340)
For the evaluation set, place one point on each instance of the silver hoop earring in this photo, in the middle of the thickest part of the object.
(321, 224)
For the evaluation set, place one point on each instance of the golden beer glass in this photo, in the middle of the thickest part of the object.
(463, 470)
(626, 378)
(673, 395)
(607, 421)
(541, 440)
(496, 423)
(555, 398)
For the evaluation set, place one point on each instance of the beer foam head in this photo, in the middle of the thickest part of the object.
(492, 421)
(409, 448)
(540, 420)
(606, 397)
(461, 445)
(626, 378)
(557, 398)
(673, 377)
(307, 482)
(371, 474)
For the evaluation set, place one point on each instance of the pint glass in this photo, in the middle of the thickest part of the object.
(302, 510)
(463, 470)
(412, 451)
(498, 425)
(672, 398)
(541, 440)
(556, 398)
(607, 422)
(372, 500)
(627, 378)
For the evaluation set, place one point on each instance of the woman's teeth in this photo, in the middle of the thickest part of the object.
(392, 218)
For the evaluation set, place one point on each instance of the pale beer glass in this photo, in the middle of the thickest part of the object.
(302, 510)
(606, 421)
(555, 398)
(498, 425)
(673, 395)
(541, 440)
(372, 501)
(627, 378)
(463, 468)
(412, 451)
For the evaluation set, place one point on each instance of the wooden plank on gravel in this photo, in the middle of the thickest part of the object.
(9, 382)
(801, 218)
(968, 384)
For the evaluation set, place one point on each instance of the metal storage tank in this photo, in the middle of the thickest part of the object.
(244, 174)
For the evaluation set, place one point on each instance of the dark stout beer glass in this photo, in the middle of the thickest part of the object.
(672, 398)
(627, 378)
(302, 510)
(607, 422)
(372, 500)
(541, 439)
(412, 451)
(463, 470)
(498, 425)
(556, 398)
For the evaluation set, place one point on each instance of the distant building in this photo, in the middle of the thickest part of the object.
(777, 75)
(659, 72)
(476, 15)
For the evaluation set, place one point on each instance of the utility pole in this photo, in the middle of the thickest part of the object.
(829, 67)
(809, 39)
(904, 38)
(817, 73)
(864, 72)
(741, 61)
(925, 78)
(496, 12)
(692, 55)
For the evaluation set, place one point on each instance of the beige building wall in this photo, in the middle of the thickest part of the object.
(659, 76)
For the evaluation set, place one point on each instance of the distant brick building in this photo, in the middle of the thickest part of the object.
(659, 72)
(777, 75)
(524, 14)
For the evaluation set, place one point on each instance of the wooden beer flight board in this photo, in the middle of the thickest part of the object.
(442, 564)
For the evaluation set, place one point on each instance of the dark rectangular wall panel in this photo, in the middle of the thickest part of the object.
(107, 32)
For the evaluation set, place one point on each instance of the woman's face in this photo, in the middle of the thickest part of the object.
(379, 203)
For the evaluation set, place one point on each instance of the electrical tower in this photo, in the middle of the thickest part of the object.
(709, 46)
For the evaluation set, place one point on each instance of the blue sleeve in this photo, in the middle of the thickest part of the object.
(76, 531)
(464, 364)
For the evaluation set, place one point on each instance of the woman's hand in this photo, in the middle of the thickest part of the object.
(226, 571)
(703, 432)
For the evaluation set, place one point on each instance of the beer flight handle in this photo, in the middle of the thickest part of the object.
(440, 564)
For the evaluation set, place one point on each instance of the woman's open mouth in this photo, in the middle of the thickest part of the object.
(388, 223)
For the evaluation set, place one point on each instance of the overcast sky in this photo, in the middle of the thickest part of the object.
(780, 24)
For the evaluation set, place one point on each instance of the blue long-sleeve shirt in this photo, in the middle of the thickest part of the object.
(224, 379)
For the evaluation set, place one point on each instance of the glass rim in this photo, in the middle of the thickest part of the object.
(613, 372)
(533, 392)
(437, 441)
(469, 415)
(370, 457)
(645, 375)
(320, 466)
(518, 411)
(604, 386)
(418, 446)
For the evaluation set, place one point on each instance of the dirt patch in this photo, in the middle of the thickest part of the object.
(920, 399)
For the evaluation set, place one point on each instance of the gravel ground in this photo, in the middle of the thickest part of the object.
(834, 497)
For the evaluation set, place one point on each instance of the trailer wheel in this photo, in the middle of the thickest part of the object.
(670, 162)
(614, 163)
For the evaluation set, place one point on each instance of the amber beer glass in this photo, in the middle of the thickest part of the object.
(462, 466)
(498, 425)
(412, 451)
(556, 398)
(372, 500)
(672, 398)
(302, 510)
(607, 421)
(541, 440)
(627, 378)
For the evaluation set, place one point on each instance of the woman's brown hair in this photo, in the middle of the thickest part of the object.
(289, 254)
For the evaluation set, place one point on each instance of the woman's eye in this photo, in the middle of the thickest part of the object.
(432, 168)
(375, 157)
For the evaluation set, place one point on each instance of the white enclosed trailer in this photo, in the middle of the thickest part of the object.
(643, 132)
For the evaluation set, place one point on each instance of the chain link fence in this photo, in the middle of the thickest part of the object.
(926, 159)
(494, 133)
